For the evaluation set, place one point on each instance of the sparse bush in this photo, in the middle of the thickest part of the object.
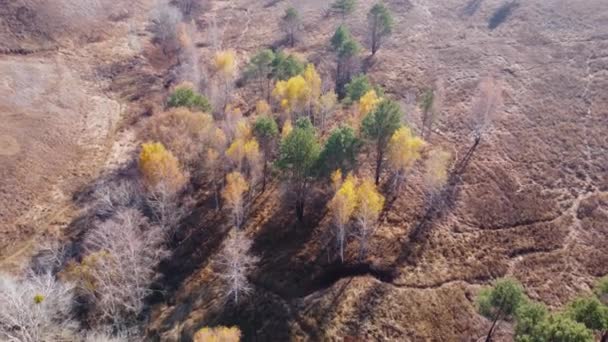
(36, 308)
(344, 7)
(233, 264)
(380, 25)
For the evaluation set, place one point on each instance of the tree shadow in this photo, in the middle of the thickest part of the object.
(502, 14)
(471, 8)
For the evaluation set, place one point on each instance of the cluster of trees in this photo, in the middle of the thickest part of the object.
(577, 322)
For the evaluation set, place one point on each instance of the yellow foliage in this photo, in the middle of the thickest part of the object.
(182, 131)
(328, 100)
(313, 83)
(236, 186)
(39, 298)
(262, 108)
(236, 151)
(336, 179)
(244, 149)
(84, 272)
(252, 150)
(225, 63)
(219, 140)
(369, 201)
(242, 130)
(404, 149)
(368, 102)
(436, 168)
(218, 334)
(158, 165)
(293, 94)
(344, 202)
(287, 128)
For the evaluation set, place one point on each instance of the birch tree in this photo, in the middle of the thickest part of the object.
(233, 264)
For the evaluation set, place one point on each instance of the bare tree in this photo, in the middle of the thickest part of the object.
(233, 264)
(110, 197)
(485, 106)
(166, 208)
(114, 276)
(190, 8)
(164, 22)
(36, 308)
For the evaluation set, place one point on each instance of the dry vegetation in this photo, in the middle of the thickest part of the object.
(240, 192)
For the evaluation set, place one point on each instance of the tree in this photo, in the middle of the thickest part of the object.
(185, 96)
(342, 207)
(236, 186)
(358, 87)
(381, 25)
(225, 65)
(529, 316)
(291, 23)
(266, 131)
(189, 8)
(344, 7)
(601, 290)
(298, 155)
(368, 102)
(219, 334)
(292, 94)
(313, 84)
(260, 68)
(500, 302)
(404, 149)
(347, 55)
(286, 130)
(430, 106)
(436, 168)
(485, 106)
(36, 308)
(559, 328)
(379, 126)
(590, 312)
(285, 66)
(327, 103)
(159, 167)
(233, 264)
(341, 36)
(164, 27)
(369, 205)
(114, 276)
(340, 150)
(214, 168)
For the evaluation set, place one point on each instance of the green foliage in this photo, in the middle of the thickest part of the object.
(529, 316)
(344, 7)
(285, 66)
(38, 298)
(341, 35)
(340, 151)
(291, 14)
(349, 49)
(559, 328)
(426, 103)
(300, 150)
(601, 290)
(381, 22)
(358, 87)
(265, 128)
(260, 65)
(381, 123)
(184, 96)
(590, 312)
(502, 299)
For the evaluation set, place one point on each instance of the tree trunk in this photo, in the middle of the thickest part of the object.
(264, 173)
(604, 337)
(379, 157)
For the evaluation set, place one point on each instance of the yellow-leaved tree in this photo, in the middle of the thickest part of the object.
(292, 94)
(369, 206)
(233, 194)
(225, 65)
(246, 156)
(436, 173)
(368, 102)
(336, 179)
(342, 207)
(287, 128)
(404, 149)
(160, 169)
(313, 83)
(262, 108)
(218, 334)
(327, 103)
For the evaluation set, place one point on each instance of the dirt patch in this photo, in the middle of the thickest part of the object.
(8, 146)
